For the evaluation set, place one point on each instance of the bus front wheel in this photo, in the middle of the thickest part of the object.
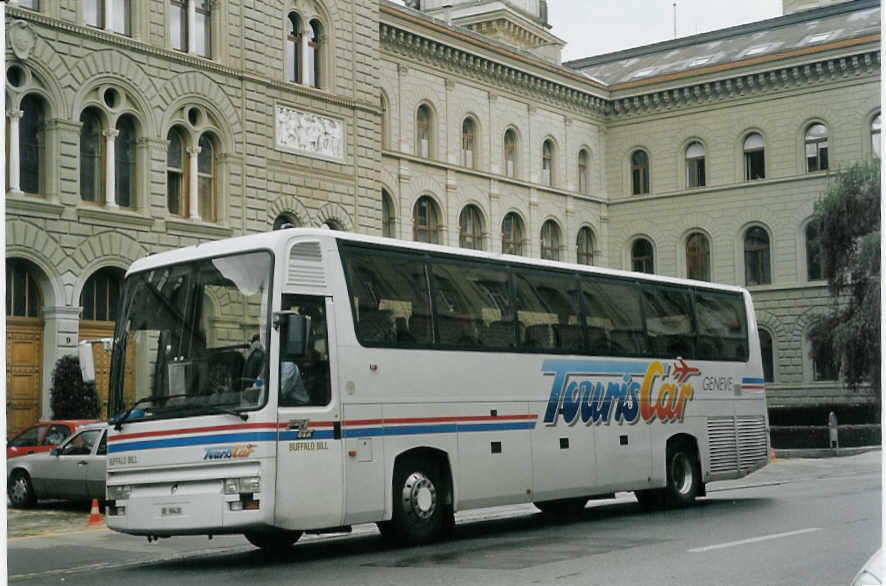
(421, 513)
(275, 542)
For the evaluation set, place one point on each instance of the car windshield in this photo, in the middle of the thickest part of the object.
(192, 338)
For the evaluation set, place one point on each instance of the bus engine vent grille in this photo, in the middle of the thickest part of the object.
(306, 266)
(752, 450)
(721, 440)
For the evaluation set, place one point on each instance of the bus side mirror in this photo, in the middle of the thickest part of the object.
(295, 333)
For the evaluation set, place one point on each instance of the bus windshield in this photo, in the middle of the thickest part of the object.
(192, 339)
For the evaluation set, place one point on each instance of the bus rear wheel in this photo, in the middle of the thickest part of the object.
(683, 478)
(274, 542)
(562, 507)
(421, 513)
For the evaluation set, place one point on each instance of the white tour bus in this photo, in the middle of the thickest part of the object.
(308, 380)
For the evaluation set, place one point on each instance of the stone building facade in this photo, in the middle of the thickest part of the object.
(454, 122)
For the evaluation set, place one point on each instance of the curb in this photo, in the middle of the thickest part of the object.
(824, 452)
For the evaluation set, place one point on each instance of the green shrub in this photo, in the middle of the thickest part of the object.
(70, 397)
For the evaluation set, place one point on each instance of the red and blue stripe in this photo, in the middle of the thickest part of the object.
(271, 432)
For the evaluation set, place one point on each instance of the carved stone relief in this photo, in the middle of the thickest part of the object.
(309, 134)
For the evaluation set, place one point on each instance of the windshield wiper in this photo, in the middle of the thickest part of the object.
(215, 408)
(118, 422)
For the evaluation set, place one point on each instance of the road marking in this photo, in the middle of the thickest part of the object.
(754, 539)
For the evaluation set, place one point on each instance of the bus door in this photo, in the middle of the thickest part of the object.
(309, 455)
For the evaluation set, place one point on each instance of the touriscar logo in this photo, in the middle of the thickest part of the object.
(228, 452)
(601, 391)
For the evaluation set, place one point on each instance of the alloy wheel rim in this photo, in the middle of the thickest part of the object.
(681, 473)
(419, 496)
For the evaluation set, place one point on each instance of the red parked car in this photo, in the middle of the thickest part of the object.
(42, 437)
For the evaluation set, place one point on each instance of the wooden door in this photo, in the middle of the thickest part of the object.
(24, 367)
(101, 358)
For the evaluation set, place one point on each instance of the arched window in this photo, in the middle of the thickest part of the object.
(470, 228)
(293, 48)
(585, 247)
(512, 234)
(314, 54)
(23, 297)
(813, 253)
(642, 256)
(756, 256)
(583, 174)
(875, 136)
(639, 172)
(550, 240)
(547, 163)
(767, 355)
(31, 139)
(423, 131)
(426, 223)
(91, 156)
(388, 218)
(176, 201)
(754, 157)
(698, 257)
(101, 294)
(206, 179)
(124, 162)
(284, 221)
(510, 152)
(467, 142)
(816, 148)
(824, 367)
(334, 225)
(695, 172)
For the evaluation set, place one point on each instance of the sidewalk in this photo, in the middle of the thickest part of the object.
(824, 452)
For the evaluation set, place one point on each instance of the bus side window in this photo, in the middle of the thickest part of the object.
(722, 330)
(612, 317)
(390, 300)
(306, 381)
(670, 327)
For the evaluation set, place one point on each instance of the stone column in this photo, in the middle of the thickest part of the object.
(193, 183)
(15, 183)
(110, 167)
(61, 325)
(109, 14)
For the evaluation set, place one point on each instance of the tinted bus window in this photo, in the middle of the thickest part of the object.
(670, 330)
(722, 326)
(612, 318)
(390, 299)
(472, 305)
(548, 312)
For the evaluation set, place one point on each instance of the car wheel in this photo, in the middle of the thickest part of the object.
(20, 490)
(273, 542)
(562, 507)
(421, 514)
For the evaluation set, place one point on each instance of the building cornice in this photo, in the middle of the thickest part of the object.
(843, 68)
(412, 46)
(860, 57)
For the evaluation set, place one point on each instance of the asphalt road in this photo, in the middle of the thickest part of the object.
(794, 522)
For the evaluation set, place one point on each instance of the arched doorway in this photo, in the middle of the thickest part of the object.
(99, 301)
(24, 345)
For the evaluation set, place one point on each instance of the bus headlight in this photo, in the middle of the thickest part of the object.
(248, 484)
(119, 492)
